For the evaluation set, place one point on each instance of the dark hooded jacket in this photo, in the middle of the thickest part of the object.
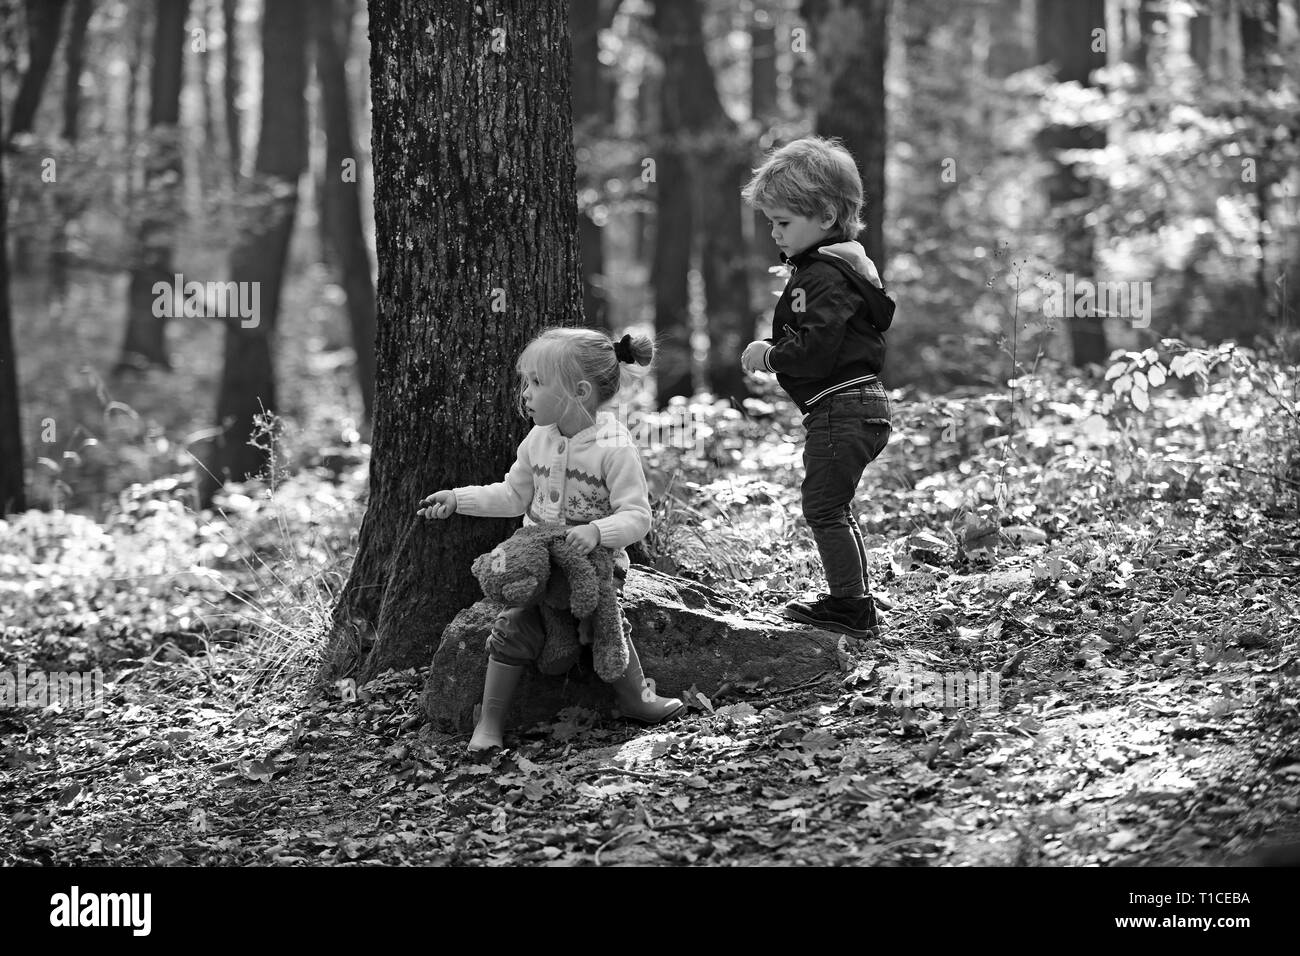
(828, 328)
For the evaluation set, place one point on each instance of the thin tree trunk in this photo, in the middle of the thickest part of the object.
(854, 109)
(44, 22)
(719, 163)
(259, 258)
(12, 495)
(75, 55)
(477, 238)
(762, 65)
(763, 105)
(1065, 41)
(1149, 46)
(230, 81)
(732, 322)
(340, 191)
(588, 125)
(1259, 29)
(145, 342)
(209, 162)
(65, 203)
(674, 206)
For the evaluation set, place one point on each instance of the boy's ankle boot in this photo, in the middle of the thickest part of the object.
(854, 616)
(498, 689)
(636, 697)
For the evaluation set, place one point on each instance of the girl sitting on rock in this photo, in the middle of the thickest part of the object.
(578, 466)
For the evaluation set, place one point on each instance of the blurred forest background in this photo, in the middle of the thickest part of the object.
(1002, 143)
(1101, 512)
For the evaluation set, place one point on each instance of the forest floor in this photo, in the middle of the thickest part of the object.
(1137, 623)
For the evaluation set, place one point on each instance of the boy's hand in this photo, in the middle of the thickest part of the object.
(440, 504)
(586, 536)
(751, 360)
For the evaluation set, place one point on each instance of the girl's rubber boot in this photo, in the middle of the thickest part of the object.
(636, 696)
(498, 689)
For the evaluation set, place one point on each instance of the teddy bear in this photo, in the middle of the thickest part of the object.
(574, 592)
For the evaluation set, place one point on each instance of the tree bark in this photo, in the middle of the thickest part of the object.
(1065, 41)
(12, 494)
(259, 258)
(340, 199)
(476, 230)
(75, 55)
(851, 38)
(145, 342)
(44, 22)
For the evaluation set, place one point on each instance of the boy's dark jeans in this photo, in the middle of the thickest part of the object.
(846, 431)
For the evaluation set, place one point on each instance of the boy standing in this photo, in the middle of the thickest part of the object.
(827, 350)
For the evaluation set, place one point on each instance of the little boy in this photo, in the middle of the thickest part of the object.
(827, 350)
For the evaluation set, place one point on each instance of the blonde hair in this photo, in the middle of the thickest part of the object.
(807, 177)
(569, 356)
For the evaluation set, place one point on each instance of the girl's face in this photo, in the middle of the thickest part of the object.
(793, 233)
(545, 403)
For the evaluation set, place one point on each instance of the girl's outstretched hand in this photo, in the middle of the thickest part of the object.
(440, 504)
(587, 536)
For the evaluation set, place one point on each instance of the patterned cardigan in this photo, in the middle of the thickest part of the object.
(594, 477)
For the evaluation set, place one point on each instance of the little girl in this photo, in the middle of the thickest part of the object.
(578, 466)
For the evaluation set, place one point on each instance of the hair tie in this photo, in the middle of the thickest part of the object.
(623, 350)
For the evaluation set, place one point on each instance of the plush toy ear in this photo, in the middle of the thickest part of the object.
(582, 577)
(487, 579)
(519, 591)
(610, 653)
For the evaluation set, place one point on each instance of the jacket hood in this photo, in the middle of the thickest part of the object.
(850, 258)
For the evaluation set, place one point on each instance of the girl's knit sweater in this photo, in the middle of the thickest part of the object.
(594, 477)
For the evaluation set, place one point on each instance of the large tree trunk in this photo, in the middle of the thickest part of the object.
(145, 342)
(259, 258)
(75, 56)
(851, 38)
(589, 124)
(476, 232)
(44, 22)
(12, 495)
(340, 199)
(1065, 41)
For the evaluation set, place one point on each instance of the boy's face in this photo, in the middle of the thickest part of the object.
(794, 233)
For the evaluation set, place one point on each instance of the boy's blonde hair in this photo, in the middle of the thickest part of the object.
(807, 177)
(569, 356)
